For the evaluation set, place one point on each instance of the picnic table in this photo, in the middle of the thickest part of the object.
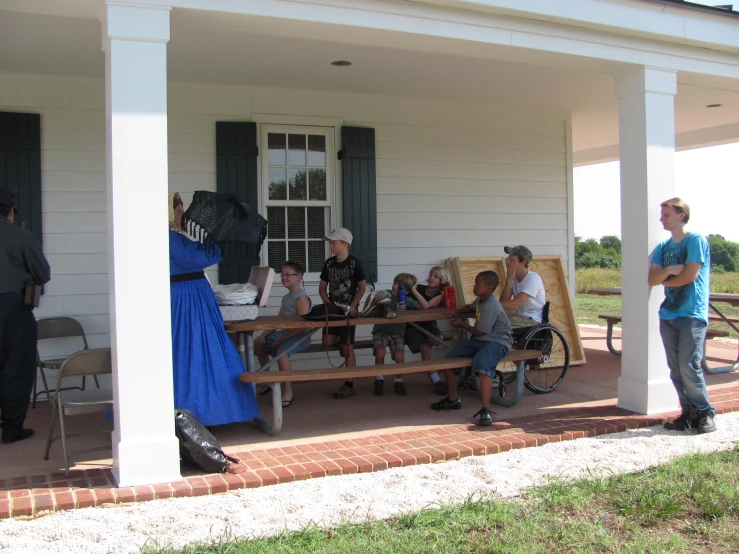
(256, 374)
(714, 298)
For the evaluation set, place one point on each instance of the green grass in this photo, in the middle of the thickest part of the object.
(690, 505)
(602, 278)
(589, 306)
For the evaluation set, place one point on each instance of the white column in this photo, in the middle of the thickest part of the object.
(145, 449)
(647, 150)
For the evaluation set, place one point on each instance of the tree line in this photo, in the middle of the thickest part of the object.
(606, 253)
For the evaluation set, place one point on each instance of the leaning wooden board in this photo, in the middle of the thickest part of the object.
(551, 270)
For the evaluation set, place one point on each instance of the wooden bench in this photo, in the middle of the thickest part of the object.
(710, 334)
(274, 377)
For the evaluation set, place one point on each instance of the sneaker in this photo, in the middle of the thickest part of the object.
(486, 417)
(705, 423)
(400, 389)
(469, 384)
(683, 423)
(345, 391)
(440, 388)
(447, 405)
(23, 434)
(379, 387)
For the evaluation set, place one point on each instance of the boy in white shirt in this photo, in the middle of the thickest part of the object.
(523, 295)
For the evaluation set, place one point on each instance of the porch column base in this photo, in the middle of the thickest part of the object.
(133, 457)
(646, 397)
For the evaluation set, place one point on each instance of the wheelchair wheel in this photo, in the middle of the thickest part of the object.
(544, 374)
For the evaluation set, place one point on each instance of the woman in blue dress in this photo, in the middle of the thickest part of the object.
(206, 363)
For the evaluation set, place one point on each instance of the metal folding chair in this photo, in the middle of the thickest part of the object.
(75, 402)
(56, 328)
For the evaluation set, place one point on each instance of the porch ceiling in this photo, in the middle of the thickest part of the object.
(212, 47)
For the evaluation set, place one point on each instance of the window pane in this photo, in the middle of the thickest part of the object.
(298, 190)
(316, 255)
(296, 154)
(296, 223)
(276, 255)
(277, 183)
(276, 149)
(316, 223)
(317, 150)
(296, 251)
(275, 222)
(317, 183)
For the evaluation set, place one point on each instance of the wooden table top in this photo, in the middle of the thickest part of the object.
(728, 297)
(267, 323)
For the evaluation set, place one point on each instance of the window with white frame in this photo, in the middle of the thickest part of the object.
(297, 190)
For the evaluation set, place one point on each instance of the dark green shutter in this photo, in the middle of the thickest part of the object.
(360, 194)
(236, 173)
(20, 166)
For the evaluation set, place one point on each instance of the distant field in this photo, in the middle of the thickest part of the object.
(601, 278)
(589, 306)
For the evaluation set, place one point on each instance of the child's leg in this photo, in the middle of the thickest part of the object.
(486, 388)
(262, 356)
(284, 365)
(451, 383)
(380, 354)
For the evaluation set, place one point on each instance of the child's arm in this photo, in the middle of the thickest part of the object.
(426, 304)
(361, 288)
(323, 292)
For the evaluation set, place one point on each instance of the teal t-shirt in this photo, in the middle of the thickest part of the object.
(395, 328)
(689, 300)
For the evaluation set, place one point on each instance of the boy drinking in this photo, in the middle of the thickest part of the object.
(295, 302)
(491, 341)
(390, 335)
(342, 282)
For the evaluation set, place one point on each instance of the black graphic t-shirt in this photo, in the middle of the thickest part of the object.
(342, 278)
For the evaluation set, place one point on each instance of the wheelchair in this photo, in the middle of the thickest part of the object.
(545, 373)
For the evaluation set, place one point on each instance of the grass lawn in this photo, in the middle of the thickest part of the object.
(688, 506)
(589, 306)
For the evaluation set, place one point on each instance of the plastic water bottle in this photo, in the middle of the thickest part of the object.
(450, 298)
(401, 297)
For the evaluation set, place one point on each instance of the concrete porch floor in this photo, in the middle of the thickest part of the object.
(323, 436)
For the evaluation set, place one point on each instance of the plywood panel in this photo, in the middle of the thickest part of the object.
(551, 270)
(561, 314)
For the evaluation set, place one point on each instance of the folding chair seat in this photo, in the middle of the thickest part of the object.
(67, 402)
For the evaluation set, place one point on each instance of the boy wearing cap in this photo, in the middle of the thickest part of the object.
(523, 295)
(342, 282)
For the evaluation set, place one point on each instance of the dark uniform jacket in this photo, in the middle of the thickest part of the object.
(21, 258)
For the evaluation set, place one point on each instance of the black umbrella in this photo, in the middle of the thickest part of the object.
(222, 219)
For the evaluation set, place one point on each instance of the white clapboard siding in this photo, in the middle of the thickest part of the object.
(453, 179)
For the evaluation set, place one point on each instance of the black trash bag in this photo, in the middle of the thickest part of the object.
(200, 448)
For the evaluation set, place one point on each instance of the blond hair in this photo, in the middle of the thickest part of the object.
(679, 205)
(442, 273)
(407, 280)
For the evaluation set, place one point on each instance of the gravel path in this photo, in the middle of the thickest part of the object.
(353, 498)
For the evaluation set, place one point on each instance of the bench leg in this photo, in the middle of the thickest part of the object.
(508, 402)
(716, 370)
(609, 340)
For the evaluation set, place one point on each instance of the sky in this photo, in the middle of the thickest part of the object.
(706, 178)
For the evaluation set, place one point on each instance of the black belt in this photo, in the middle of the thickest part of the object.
(181, 277)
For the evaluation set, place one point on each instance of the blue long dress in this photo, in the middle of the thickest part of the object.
(206, 363)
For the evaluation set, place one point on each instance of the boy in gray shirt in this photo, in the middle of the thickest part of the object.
(491, 341)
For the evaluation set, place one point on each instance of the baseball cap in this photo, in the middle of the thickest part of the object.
(7, 198)
(340, 233)
(520, 251)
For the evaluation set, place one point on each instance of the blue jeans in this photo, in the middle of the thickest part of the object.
(485, 355)
(683, 340)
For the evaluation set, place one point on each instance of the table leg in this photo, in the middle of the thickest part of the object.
(248, 353)
(609, 340)
(508, 402)
(716, 370)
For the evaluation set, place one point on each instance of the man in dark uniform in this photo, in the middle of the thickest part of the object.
(21, 260)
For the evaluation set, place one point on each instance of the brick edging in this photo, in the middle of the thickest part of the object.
(29, 496)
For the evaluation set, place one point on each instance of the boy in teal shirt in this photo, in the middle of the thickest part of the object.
(391, 335)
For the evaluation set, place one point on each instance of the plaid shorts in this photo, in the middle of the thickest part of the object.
(393, 342)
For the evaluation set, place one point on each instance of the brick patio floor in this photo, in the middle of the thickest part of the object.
(27, 496)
